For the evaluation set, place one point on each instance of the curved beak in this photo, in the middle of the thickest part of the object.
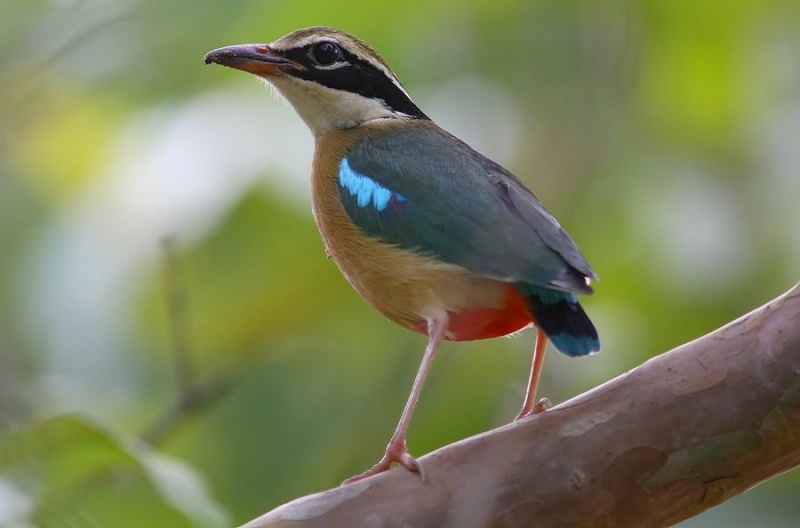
(258, 59)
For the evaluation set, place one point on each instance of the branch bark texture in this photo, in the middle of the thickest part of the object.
(675, 436)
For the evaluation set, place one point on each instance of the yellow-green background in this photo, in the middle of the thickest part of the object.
(664, 134)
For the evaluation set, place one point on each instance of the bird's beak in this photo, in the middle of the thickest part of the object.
(258, 59)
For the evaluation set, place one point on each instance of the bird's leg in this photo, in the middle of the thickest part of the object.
(396, 450)
(530, 406)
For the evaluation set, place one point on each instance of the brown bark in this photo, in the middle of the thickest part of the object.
(675, 436)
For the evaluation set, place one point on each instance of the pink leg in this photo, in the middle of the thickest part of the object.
(396, 450)
(530, 406)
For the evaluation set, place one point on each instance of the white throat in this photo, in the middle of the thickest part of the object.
(324, 109)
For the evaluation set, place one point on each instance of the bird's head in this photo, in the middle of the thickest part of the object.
(331, 78)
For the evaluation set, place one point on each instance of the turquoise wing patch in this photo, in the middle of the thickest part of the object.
(366, 191)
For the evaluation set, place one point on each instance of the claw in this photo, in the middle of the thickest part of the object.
(540, 407)
(396, 452)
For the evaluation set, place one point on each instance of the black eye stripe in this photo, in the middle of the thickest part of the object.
(306, 54)
(352, 74)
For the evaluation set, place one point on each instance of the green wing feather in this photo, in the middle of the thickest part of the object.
(425, 190)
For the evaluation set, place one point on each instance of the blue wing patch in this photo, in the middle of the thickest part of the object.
(366, 190)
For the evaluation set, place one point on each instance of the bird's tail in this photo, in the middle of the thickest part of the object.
(562, 319)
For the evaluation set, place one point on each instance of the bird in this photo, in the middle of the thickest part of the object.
(435, 236)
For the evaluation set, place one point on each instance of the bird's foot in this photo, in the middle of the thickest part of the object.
(540, 406)
(396, 452)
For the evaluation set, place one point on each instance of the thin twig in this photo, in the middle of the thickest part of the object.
(192, 395)
(186, 408)
(177, 315)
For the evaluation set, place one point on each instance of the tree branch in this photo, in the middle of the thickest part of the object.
(675, 436)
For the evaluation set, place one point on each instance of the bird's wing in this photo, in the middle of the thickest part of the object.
(425, 190)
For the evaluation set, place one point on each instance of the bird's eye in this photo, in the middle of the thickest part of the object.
(325, 53)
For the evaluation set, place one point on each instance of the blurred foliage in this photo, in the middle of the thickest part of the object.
(664, 135)
(71, 472)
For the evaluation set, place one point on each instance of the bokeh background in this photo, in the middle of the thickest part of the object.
(665, 136)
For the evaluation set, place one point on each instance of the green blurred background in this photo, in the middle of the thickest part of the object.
(665, 136)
